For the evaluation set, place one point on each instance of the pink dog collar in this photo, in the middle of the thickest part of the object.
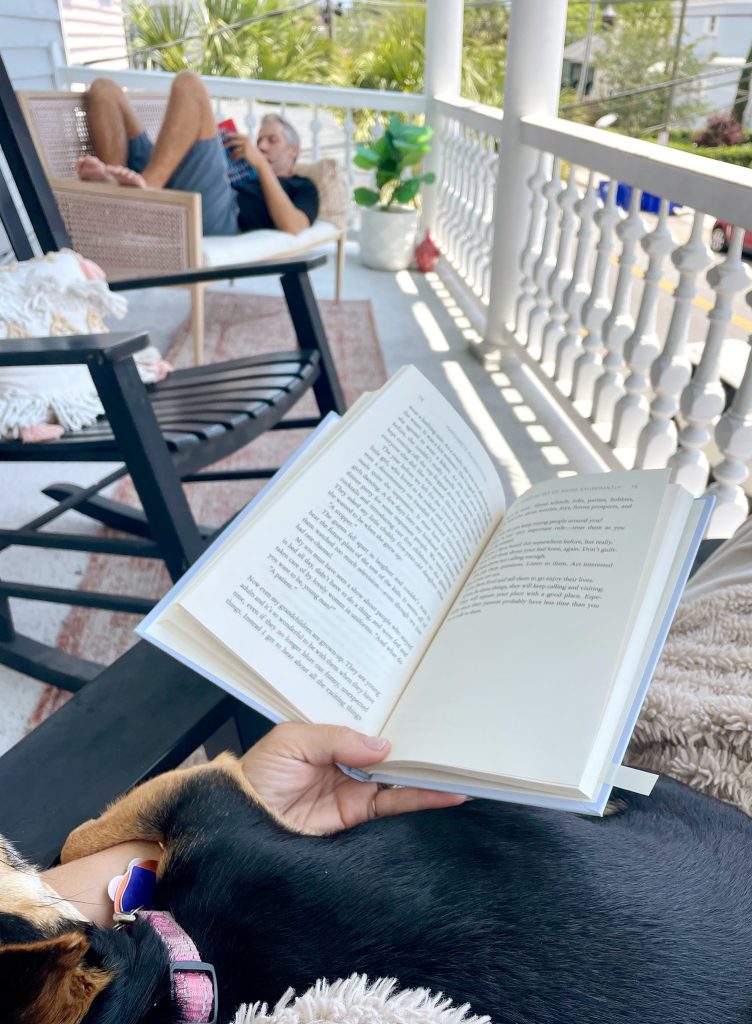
(193, 984)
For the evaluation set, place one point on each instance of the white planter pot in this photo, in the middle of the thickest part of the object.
(387, 237)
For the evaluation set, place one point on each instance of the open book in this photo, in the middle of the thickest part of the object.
(378, 582)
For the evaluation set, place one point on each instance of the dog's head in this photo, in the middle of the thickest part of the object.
(44, 974)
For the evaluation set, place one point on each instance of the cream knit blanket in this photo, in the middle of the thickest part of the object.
(696, 723)
(356, 1000)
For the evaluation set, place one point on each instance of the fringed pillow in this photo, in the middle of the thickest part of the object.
(51, 295)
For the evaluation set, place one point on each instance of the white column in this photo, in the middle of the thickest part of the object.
(442, 74)
(531, 86)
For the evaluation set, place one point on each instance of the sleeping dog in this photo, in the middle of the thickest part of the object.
(532, 917)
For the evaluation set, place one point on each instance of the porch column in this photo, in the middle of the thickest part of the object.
(531, 86)
(442, 74)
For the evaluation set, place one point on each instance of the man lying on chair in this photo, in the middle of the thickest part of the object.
(188, 156)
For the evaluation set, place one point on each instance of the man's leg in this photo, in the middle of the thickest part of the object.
(189, 118)
(112, 121)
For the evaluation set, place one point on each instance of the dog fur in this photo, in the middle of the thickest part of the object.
(533, 917)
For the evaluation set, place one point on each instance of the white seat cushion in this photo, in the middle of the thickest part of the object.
(256, 246)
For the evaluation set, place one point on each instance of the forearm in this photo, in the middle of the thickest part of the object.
(84, 882)
(283, 212)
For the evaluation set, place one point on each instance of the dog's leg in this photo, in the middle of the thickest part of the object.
(138, 814)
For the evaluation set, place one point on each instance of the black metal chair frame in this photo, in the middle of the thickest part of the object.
(164, 435)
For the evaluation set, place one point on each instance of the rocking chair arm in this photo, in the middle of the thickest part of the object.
(72, 348)
(197, 275)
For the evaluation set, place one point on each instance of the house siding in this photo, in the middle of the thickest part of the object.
(94, 32)
(28, 31)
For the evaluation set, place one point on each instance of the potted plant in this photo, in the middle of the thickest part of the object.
(389, 225)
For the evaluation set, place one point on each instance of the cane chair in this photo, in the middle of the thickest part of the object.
(130, 232)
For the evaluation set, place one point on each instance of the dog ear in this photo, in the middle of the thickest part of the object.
(48, 982)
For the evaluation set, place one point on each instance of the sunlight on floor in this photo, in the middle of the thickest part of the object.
(433, 333)
(491, 436)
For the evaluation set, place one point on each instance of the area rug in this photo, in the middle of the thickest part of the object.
(237, 324)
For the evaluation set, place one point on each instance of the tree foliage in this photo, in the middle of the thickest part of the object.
(639, 52)
(280, 48)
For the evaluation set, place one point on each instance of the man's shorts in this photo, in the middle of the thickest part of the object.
(203, 169)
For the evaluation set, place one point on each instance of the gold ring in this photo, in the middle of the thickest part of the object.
(374, 812)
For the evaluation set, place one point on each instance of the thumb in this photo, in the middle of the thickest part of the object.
(332, 744)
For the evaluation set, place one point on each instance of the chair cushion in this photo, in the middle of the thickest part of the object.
(254, 246)
(331, 184)
(45, 297)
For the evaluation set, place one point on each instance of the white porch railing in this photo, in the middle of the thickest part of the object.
(467, 139)
(631, 388)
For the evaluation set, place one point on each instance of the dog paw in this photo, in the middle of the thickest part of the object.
(82, 841)
(615, 806)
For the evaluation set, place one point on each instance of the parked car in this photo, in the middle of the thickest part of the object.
(720, 237)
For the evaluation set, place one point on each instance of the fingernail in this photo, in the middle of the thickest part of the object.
(375, 742)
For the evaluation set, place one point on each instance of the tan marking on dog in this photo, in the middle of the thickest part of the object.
(59, 986)
(23, 892)
(130, 817)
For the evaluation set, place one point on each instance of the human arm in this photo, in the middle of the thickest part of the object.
(284, 214)
(83, 882)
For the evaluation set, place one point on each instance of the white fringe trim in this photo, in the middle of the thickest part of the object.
(355, 1000)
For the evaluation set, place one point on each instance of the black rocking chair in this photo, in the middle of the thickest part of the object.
(162, 435)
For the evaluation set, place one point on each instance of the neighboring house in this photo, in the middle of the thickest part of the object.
(28, 34)
(574, 62)
(94, 33)
(722, 32)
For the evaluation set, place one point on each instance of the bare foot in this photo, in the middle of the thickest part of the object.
(91, 168)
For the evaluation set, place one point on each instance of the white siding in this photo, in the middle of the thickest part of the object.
(94, 31)
(28, 29)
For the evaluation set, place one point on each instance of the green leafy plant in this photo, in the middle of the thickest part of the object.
(394, 157)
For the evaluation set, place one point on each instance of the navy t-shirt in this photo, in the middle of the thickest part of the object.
(253, 213)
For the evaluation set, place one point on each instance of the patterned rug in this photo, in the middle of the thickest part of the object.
(102, 635)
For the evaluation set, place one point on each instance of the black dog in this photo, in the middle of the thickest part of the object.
(532, 917)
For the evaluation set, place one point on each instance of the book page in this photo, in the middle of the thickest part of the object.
(332, 596)
(516, 680)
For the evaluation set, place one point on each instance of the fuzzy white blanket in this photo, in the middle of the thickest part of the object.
(696, 723)
(356, 1000)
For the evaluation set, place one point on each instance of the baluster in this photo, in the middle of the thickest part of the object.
(532, 249)
(250, 118)
(641, 348)
(453, 194)
(316, 133)
(473, 235)
(468, 178)
(488, 233)
(562, 272)
(733, 436)
(671, 371)
(348, 130)
(619, 323)
(703, 398)
(545, 264)
(598, 304)
(219, 109)
(443, 179)
(578, 288)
